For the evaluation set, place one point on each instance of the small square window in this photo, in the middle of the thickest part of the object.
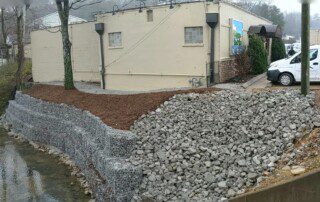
(193, 35)
(115, 39)
(150, 15)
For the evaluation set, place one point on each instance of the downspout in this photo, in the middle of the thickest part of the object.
(103, 70)
(212, 20)
(100, 30)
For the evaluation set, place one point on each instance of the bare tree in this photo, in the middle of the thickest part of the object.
(4, 33)
(20, 15)
(64, 7)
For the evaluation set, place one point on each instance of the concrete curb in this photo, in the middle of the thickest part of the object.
(253, 80)
(296, 189)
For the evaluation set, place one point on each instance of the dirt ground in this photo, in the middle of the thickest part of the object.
(117, 111)
(308, 157)
(242, 79)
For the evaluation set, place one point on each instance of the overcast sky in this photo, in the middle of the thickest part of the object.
(294, 5)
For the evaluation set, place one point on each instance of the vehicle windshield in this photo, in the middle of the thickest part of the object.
(313, 54)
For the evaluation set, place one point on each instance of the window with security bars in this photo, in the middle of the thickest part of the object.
(115, 39)
(193, 35)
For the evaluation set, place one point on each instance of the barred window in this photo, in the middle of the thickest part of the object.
(115, 39)
(193, 35)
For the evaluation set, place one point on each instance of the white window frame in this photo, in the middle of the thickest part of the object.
(112, 45)
(190, 42)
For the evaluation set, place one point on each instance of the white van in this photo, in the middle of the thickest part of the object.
(288, 71)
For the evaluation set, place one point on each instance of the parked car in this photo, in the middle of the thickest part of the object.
(288, 71)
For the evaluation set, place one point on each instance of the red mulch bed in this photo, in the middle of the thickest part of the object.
(117, 111)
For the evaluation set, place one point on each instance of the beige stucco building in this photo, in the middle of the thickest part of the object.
(154, 48)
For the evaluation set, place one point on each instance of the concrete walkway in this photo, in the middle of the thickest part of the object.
(94, 88)
(258, 82)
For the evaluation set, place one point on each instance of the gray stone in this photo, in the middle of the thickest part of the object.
(242, 162)
(222, 184)
(252, 175)
(221, 141)
(231, 193)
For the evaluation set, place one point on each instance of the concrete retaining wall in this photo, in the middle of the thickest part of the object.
(98, 150)
(305, 188)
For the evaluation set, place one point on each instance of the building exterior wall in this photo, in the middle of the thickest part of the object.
(227, 12)
(153, 55)
(314, 37)
(47, 55)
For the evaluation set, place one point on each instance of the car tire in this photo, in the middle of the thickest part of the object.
(286, 79)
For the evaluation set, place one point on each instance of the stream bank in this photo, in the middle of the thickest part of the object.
(29, 175)
(97, 150)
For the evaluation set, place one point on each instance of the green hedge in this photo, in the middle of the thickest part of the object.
(258, 55)
(278, 50)
(7, 81)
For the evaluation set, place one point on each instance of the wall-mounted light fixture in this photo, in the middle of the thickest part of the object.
(171, 4)
(142, 5)
(114, 9)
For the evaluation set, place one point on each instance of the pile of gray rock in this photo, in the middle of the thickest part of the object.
(211, 147)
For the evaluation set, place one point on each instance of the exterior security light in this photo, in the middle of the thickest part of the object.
(99, 28)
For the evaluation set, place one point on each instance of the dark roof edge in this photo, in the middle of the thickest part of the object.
(150, 7)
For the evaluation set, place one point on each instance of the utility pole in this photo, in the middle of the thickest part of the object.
(305, 47)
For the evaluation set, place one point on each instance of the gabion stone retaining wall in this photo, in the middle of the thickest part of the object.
(100, 151)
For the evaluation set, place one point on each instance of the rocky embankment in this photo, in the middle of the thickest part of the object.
(212, 147)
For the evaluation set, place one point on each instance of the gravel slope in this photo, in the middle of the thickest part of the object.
(211, 147)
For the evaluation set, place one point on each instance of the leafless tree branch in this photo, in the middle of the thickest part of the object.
(74, 7)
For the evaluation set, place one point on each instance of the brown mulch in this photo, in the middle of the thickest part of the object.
(117, 111)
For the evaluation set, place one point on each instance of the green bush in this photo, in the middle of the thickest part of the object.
(278, 51)
(258, 55)
(27, 70)
(7, 81)
(7, 73)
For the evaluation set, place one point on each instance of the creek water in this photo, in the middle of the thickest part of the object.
(30, 175)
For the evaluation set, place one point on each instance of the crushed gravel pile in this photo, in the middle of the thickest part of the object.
(211, 147)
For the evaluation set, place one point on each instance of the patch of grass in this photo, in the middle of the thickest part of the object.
(27, 68)
(7, 81)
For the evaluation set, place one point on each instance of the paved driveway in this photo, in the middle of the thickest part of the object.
(263, 83)
(313, 86)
